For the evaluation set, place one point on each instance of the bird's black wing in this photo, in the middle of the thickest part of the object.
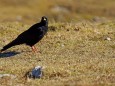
(33, 35)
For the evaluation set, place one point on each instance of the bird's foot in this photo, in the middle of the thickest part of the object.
(0, 51)
(34, 49)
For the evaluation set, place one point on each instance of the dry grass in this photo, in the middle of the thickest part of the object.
(57, 10)
(72, 54)
(78, 53)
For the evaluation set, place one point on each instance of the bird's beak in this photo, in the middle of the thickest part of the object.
(44, 19)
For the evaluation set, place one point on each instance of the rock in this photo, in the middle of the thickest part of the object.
(59, 9)
(62, 45)
(7, 75)
(19, 18)
(7, 79)
(99, 19)
(108, 38)
(35, 73)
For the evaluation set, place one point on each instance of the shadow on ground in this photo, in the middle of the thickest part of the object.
(8, 54)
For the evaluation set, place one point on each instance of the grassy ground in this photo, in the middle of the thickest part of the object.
(72, 54)
(78, 52)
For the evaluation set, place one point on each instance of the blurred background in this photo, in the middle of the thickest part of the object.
(30, 11)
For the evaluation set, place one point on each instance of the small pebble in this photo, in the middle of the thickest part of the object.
(108, 38)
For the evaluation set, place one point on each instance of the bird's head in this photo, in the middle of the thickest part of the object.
(44, 20)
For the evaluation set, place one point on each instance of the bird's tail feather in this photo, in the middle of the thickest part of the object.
(13, 43)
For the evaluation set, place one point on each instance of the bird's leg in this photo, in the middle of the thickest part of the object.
(34, 49)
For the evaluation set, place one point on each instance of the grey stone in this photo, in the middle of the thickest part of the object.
(35, 73)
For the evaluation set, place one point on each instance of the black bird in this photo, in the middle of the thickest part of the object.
(31, 36)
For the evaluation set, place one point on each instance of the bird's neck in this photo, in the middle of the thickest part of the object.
(44, 23)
